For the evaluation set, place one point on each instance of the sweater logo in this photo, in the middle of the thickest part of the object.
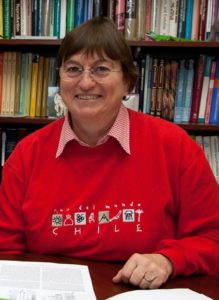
(88, 215)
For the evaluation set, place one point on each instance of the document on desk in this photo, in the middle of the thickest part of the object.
(42, 281)
(160, 294)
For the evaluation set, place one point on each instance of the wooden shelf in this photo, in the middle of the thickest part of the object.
(43, 121)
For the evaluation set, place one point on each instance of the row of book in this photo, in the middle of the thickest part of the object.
(45, 18)
(210, 146)
(187, 19)
(10, 136)
(24, 82)
(183, 90)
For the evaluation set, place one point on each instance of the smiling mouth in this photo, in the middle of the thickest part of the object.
(87, 97)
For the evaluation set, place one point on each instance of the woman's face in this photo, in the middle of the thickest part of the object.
(90, 96)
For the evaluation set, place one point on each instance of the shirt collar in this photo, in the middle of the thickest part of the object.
(120, 131)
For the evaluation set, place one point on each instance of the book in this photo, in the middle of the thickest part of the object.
(172, 91)
(164, 17)
(6, 19)
(148, 4)
(55, 106)
(34, 78)
(63, 19)
(166, 89)
(70, 15)
(79, 12)
(179, 92)
(141, 82)
(45, 17)
(12, 83)
(160, 85)
(210, 91)
(195, 20)
(130, 20)
(147, 74)
(154, 85)
(208, 19)
(174, 16)
(197, 88)
(17, 17)
(188, 86)
(57, 15)
(1, 78)
(155, 16)
(207, 148)
(140, 19)
(119, 14)
(88, 10)
(97, 8)
(205, 86)
(132, 102)
(182, 19)
(214, 141)
(40, 79)
(1, 19)
(17, 83)
(202, 17)
(214, 112)
(28, 82)
(43, 112)
(189, 16)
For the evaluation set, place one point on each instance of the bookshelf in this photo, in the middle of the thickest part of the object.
(51, 46)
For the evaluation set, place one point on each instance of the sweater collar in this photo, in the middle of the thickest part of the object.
(119, 131)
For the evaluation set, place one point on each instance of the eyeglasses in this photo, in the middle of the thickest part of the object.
(98, 73)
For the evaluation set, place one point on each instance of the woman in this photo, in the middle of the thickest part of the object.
(108, 183)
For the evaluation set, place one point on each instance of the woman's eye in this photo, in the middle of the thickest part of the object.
(101, 70)
(73, 70)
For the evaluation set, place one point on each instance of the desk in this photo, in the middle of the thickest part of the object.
(102, 273)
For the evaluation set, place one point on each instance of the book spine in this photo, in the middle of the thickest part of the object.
(1, 19)
(197, 88)
(146, 74)
(164, 17)
(174, 17)
(63, 19)
(17, 17)
(214, 113)
(215, 155)
(88, 14)
(45, 17)
(179, 92)
(140, 19)
(166, 89)
(207, 148)
(148, 4)
(43, 112)
(1, 78)
(202, 16)
(195, 20)
(79, 12)
(39, 87)
(154, 83)
(172, 91)
(12, 83)
(28, 81)
(70, 15)
(130, 20)
(188, 91)
(17, 83)
(208, 18)
(182, 19)
(189, 16)
(205, 86)
(22, 82)
(97, 8)
(57, 13)
(210, 92)
(6, 19)
(33, 94)
(119, 15)
(155, 16)
(160, 84)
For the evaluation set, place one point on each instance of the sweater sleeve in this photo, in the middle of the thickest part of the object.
(196, 247)
(12, 224)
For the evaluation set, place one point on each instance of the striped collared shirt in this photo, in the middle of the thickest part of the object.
(120, 131)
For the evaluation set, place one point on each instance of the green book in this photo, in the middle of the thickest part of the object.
(70, 12)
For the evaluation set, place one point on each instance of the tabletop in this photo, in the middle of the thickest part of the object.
(102, 273)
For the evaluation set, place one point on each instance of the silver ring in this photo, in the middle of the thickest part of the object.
(148, 280)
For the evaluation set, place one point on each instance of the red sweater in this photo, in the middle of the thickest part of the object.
(102, 203)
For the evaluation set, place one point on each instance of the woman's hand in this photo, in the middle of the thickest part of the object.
(145, 270)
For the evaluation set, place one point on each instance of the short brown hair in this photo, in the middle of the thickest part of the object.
(100, 35)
